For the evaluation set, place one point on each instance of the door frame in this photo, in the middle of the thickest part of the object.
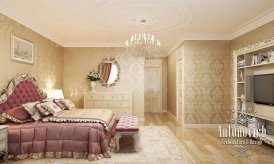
(157, 63)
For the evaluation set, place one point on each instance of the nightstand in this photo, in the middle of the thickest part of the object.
(4, 141)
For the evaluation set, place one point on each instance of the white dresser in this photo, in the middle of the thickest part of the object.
(119, 102)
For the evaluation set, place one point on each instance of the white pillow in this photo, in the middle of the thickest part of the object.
(31, 109)
(68, 104)
(52, 107)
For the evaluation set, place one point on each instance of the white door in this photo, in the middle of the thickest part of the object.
(153, 89)
(179, 97)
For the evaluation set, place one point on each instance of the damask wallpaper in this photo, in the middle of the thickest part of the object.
(207, 81)
(259, 34)
(171, 83)
(79, 61)
(48, 56)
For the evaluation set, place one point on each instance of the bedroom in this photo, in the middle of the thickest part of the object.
(72, 38)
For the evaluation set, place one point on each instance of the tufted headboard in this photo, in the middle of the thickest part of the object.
(21, 89)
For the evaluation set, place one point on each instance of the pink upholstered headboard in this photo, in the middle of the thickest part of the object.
(20, 90)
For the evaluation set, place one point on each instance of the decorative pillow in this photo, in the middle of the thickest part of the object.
(52, 107)
(3, 120)
(68, 104)
(17, 114)
(30, 108)
(43, 111)
(48, 100)
(59, 103)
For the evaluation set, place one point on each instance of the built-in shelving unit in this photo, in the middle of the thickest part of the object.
(246, 66)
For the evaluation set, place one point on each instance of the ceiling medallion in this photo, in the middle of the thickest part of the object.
(143, 43)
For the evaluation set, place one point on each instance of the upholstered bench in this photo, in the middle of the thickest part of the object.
(128, 125)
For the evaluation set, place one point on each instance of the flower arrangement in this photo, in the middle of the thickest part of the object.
(93, 76)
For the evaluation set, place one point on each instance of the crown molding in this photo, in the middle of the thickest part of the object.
(205, 36)
(11, 14)
(93, 44)
(253, 24)
(239, 31)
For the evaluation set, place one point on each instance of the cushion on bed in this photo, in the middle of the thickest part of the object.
(43, 111)
(59, 103)
(30, 108)
(17, 114)
(68, 104)
(51, 107)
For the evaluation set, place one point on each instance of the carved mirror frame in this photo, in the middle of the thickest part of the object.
(110, 60)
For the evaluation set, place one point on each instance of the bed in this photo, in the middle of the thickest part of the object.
(83, 138)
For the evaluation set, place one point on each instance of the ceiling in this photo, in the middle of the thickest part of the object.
(108, 23)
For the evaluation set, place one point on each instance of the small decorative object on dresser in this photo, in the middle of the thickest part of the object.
(3, 142)
(119, 102)
(93, 77)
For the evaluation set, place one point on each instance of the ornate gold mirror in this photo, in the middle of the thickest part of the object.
(109, 71)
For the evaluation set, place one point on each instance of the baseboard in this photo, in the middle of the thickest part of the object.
(203, 125)
(171, 116)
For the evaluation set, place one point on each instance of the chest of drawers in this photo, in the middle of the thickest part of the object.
(119, 102)
(3, 141)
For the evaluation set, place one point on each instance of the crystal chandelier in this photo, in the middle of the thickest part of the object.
(143, 43)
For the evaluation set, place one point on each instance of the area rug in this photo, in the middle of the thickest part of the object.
(157, 145)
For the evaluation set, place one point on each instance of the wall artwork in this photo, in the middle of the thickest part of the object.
(21, 50)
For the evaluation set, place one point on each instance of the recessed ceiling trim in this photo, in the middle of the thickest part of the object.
(28, 24)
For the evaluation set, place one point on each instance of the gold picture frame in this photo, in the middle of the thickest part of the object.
(21, 50)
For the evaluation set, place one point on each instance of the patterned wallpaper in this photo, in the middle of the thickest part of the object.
(48, 56)
(171, 83)
(264, 32)
(79, 61)
(207, 80)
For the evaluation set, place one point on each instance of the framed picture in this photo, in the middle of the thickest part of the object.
(21, 50)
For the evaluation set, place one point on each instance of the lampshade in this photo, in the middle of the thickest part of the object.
(55, 94)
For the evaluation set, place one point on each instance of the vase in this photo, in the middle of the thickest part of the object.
(93, 85)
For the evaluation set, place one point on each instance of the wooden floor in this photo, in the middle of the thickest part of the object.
(204, 146)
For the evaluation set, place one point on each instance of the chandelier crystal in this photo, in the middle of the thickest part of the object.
(143, 43)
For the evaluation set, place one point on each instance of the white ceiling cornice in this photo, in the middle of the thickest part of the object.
(93, 44)
(253, 24)
(245, 28)
(28, 24)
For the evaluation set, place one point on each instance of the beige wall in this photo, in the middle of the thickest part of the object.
(259, 34)
(171, 83)
(207, 81)
(48, 56)
(79, 61)
(164, 85)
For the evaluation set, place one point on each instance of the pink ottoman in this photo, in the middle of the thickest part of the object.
(128, 125)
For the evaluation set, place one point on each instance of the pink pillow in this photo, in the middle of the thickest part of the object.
(17, 114)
